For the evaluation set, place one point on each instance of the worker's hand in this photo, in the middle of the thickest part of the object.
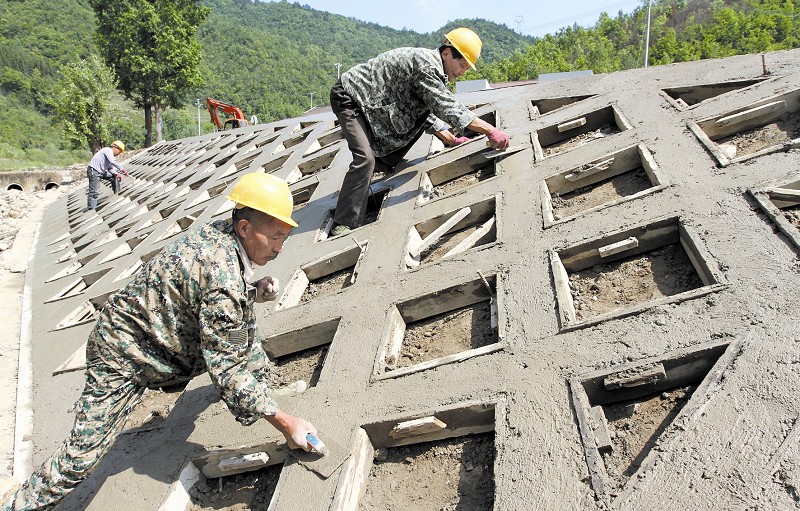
(267, 289)
(118, 177)
(294, 429)
(125, 171)
(460, 140)
(498, 139)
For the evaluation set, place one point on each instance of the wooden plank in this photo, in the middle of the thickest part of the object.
(635, 377)
(561, 282)
(752, 113)
(620, 246)
(589, 170)
(243, 462)
(784, 194)
(210, 465)
(470, 241)
(571, 125)
(351, 485)
(416, 427)
(438, 233)
(601, 436)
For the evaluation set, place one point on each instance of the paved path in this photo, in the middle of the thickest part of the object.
(13, 266)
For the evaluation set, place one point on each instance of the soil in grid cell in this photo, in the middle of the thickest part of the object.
(239, 492)
(464, 181)
(304, 365)
(603, 131)
(634, 427)
(328, 284)
(154, 407)
(445, 334)
(607, 190)
(775, 133)
(792, 214)
(665, 271)
(452, 474)
(447, 242)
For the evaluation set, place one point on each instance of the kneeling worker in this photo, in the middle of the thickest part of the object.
(384, 105)
(189, 310)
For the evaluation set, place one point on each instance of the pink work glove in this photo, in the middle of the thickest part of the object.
(118, 176)
(460, 140)
(498, 139)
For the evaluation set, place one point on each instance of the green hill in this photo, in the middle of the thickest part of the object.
(270, 58)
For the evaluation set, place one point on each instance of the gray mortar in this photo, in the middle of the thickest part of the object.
(730, 456)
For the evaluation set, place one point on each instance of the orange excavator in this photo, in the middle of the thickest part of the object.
(235, 116)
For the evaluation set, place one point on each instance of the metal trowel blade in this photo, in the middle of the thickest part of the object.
(327, 460)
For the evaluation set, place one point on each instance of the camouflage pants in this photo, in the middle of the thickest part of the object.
(107, 400)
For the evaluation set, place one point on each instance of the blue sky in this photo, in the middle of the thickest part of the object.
(530, 17)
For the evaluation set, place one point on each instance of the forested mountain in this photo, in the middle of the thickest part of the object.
(270, 57)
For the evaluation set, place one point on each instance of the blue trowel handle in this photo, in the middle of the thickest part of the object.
(317, 444)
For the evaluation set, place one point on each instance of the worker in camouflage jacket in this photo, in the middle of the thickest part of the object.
(385, 104)
(189, 310)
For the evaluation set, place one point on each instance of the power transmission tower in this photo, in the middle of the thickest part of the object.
(518, 19)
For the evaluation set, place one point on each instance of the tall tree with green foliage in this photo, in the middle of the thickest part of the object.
(82, 103)
(151, 46)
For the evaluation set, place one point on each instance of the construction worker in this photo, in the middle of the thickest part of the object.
(189, 310)
(104, 166)
(384, 105)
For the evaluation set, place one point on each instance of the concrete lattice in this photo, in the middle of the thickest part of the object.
(518, 241)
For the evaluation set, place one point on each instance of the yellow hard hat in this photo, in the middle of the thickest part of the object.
(265, 193)
(466, 42)
(119, 145)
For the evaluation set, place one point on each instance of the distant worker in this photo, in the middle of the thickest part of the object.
(384, 105)
(104, 166)
(189, 310)
(253, 120)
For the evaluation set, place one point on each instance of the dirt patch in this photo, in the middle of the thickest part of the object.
(447, 242)
(634, 427)
(662, 272)
(775, 133)
(603, 131)
(793, 216)
(304, 365)
(464, 181)
(154, 407)
(327, 285)
(444, 334)
(602, 192)
(241, 492)
(448, 475)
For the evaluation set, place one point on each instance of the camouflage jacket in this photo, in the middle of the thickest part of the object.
(189, 310)
(400, 87)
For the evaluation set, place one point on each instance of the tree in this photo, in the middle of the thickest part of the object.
(82, 103)
(151, 46)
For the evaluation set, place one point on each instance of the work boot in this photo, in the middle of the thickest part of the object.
(338, 230)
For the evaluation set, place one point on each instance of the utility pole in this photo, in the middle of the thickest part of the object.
(198, 116)
(647, 38)
(312, 101)
(518, 19)
(338, 67)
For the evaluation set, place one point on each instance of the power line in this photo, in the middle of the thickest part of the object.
(563, 21)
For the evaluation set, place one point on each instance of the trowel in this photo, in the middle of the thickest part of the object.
(494, 153)
(325, 457)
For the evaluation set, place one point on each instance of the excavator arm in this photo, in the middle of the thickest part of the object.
(234, 116)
